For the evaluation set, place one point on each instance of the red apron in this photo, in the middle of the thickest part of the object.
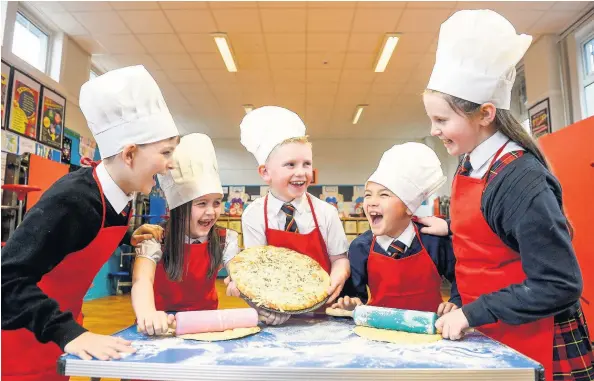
(196, 291)
(410, 283)
(23, 357)
(311, 244)
(484, 264)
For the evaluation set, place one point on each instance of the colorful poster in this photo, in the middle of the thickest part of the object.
(43, 151)
(66, 150)
(540, 119)
(51, 123)
(10, 142)
(24, 105)
(87, 147)
(5, 82)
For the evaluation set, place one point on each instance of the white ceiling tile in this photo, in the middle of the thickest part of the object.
(325, 60)
(523, 20)
(161, 43)
(146, 21)
(283, 20)
(160, 77)
(285, 43)
(318, 113)
(414, 42)
(247, 42)
(287, 61)
(332, 4)
(200, 43)
(184, 76)
(232, 4)
(570, 5)
(422, 20)
(381, 4)
(323, 76)
(120, 43)
(192, 90)
(380, 102)
(134, 5)
(208, 61)
(177, 61)
(90, 45)
(281, 4)
(376, 20)
(327, 42)
(415, 89)
(329, 20)
(285, 76)
(183, 4)
(191, 21)
(238, 20)
(289, 89)
(422, 74)
(321, 90)
(253, 76)
(48, 7)
(256, 61)
(68, 24)
(218, 76)
(554, 22)
(363, 61)
(365, 43)
(86, 6)
(357, 76)
(400, 75)
(101, 22)
(431, 4)
(123, 60)
(527, 5)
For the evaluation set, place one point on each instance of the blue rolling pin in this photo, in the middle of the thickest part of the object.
(390, 318)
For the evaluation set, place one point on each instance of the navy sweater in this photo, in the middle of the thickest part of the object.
(65, 220)
(438, 248)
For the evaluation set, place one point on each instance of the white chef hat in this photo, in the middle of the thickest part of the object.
(412, 171)
(266, 127)
(477, 52)
(195, 171)
(123, 107)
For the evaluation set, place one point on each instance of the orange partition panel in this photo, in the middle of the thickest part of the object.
(570, 153)
(43, 173)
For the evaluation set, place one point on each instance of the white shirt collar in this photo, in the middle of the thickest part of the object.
(275, 205)
(406, 237)
(113, 193)
(486, 150)
(195, 240)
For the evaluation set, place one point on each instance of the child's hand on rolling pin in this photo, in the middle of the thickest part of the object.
(434, 225)
(101, 347)
(347, 303)
(231, 288)
(446, 307)
(155, 323)
(452, 325)
(272, 318)
(146, 231)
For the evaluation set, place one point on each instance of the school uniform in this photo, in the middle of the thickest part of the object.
(51, 259)
(196, 291)
(403, 272)
(307, 225)
(510, 224)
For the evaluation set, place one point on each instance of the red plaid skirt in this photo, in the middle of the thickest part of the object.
(573, 358)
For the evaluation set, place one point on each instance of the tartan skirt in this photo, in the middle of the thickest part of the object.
(573, 358)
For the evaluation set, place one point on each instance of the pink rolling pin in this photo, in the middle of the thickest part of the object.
(215, 320)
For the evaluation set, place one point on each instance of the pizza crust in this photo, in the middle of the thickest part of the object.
(279, 279)
(229, 334)
(397, 337)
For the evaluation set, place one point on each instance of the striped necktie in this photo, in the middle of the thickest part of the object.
(396, 249)
(290, 224)
(466, 167)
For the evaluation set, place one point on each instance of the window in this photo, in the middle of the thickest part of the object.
(30, 42)
(588, 78)
(519, 99)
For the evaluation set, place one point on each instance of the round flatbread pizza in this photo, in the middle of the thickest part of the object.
(279, 279)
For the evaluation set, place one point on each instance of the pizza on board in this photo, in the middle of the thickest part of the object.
(279, 279)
